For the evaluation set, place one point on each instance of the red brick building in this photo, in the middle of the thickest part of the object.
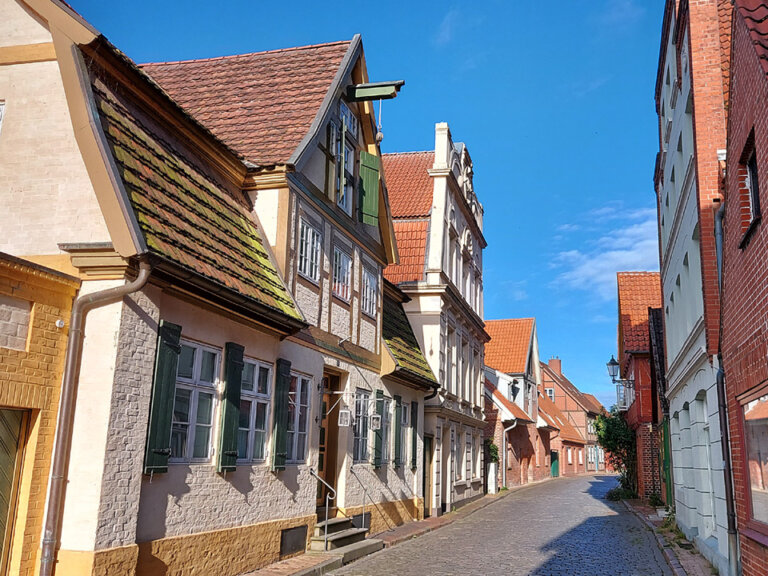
(580, 409)
(639, 291)
(745, 281)
(566, 444)
(513, 375)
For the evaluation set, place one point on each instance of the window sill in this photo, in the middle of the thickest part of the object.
(755, 531)
(315, 283)
(476, 480)
(341, 300)
(370, 316)
(749, 233)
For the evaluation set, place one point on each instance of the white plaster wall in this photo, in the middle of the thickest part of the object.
(266, 204)
(91, 421)
(314, 167)
(193, 498)
(18, 26)
(340, 321)
(45, 191)
(368, 332)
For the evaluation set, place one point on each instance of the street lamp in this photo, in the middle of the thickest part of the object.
(613, 372)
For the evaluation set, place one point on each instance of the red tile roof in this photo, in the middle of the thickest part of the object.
(596, 404)
(755, 15)
(552, 415)
(260, 104)
(510, 344)
(516, 411)
(759, 411)
(408, 183)
(570, 388)
(638, 291)
(411, 237)
(186, 215)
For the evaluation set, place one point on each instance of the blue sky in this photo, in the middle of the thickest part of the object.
(553, 99)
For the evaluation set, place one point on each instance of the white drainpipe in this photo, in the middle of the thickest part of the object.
(504, 455)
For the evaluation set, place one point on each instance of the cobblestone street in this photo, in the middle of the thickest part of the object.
(558, 528)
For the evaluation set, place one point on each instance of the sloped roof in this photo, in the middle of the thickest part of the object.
(499, 398)
(638, 291)
(260, 104)
(597, 406)
(510, 344)
(401, 342)
(758, 412)
(755, 15)
(409, 184)
(552, 414)
(571, 389)
(411, 237)
(187, 217)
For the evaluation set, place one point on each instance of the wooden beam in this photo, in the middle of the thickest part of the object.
(27, 53)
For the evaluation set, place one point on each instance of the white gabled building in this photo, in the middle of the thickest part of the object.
(438, 223)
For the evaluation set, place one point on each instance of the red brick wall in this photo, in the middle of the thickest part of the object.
(745, 279)
(522, 466)
(648, 461)
(707, 19)
(641, 410)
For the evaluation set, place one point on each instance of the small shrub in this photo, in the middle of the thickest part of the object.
(619, 493)
(655, 500)
(492, 450)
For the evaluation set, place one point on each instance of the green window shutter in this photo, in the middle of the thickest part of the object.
(280, 421)
(163, 390)
(378, 433)
(230, 410)
(414, 433)
(398, 425)
(369, 188)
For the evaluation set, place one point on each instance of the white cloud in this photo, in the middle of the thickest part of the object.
(630, 247)
(569, 227)
(447, 28)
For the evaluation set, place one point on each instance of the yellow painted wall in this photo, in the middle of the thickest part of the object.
(31, 380)
(387, 515)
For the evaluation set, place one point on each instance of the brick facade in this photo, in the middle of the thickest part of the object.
(31, 378)
(744, 334)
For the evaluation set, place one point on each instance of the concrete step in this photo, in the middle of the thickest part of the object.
(338, 539)
(352, 552)
(334, 525)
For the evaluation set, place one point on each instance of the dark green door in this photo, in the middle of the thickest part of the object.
(555, 467)
(10, 455)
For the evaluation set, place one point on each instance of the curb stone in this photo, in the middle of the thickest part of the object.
(666, 551)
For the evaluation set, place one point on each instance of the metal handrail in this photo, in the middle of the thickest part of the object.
(365, 490)
(328, 497)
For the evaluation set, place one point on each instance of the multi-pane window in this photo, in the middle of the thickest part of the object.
(443, 348)
(386, 419)
(298, 418)
(370, 292)
(455, 456)
(570, 456)
(309, 251)
(349, 119)
(476, 456)
(360, 448)
(342, 274)
(468, 454)
(345, 158)
(451, 359)
(192, 423)
(550, 393)
(581, 456)
(255, 392)
(405, 419)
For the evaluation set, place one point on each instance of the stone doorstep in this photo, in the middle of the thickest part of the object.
(670, 552)
(316, 563)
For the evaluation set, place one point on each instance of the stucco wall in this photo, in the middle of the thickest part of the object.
(46, 192)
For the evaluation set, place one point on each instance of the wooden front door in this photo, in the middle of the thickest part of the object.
(11, 426)
(328, 441)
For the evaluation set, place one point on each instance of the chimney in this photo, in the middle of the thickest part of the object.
(555, 364)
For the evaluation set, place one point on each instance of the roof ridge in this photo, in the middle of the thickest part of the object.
(410, 152)
(509, 319)
(258, 53)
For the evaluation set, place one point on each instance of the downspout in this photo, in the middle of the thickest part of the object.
(722, 404)
(504, 454)
(60, 462)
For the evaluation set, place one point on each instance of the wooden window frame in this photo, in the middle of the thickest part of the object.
(303, 382)
(753, 528)
(338, 255)
(370, 291)
(361, 451)
(257, 398)
(196, 386)
(313, 242)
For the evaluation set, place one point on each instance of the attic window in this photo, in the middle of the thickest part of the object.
(349, 119)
